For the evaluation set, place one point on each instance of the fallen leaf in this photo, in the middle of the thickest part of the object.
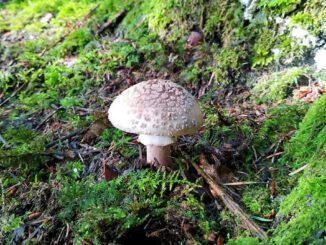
(96, 129)
(109, 172)
(219, 240)
(308, 93)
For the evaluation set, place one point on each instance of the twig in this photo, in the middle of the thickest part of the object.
(243, 183)
(274, 155)
(219, 192)
(79, 131)
(3, 204)
(139, 24)
(111, 22)
(48, 117)
(298, 170)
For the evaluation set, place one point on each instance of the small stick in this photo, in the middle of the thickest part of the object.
(3, 204)
(48, 117)
(13, 94)
(65, 137)
(139, 24)
(111, 22)
(274, 155)
(298, 170)
(219, 192)
(243, 183)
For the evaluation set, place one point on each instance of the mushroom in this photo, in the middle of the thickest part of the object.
(159, 111)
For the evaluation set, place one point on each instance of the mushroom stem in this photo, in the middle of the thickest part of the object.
(158, 155)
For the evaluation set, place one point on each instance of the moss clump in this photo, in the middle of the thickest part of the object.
(310, 140)
(257, 200)
(228, 65)
(279, 7)
(280, 121)
(94, 209)
(26, 150)
(275, 87)
(304, 208)
(76, 41)
(244, 241)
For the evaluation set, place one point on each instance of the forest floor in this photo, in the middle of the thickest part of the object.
(68, 176)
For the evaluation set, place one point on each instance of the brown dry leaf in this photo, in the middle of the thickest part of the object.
(194, 39)
(55, 126)
(308, 93)
(12, 191)
(271, 215)
(219, 240)
(34, 215)
(108, 172)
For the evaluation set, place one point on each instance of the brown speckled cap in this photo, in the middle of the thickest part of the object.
(156, 107)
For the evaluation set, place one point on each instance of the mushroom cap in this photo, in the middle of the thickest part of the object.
(156, 107)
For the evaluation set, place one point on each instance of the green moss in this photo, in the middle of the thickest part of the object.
(280, 7)
(23, 140)
(262, 48)
(310, 140)
(257, 200)
(228, 64)
(26, 150)
(244, 241)
(304, 208)
(76, 41)
(125, 202)
(275, 87)
(312, 17)
(280, 121)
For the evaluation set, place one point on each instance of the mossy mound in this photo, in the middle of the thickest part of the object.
(304, 209)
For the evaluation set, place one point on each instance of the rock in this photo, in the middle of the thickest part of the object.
(303, 37)
(320, 59)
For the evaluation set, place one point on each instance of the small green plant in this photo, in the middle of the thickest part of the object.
(279, 7)
(9, 223)
(262, 48)
(113, 136)
(280, 121)
(93, 209)
(124, 53)
(228, 64)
